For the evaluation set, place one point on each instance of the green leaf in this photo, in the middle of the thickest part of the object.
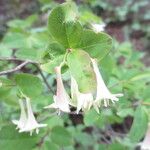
(74, 32)
(50, 146)
(7, 91)
(29, 84)
(70, 147)
(26, 23)
(29, 54)
(15, 40)
(116, 146)
(54, 49)
(79, 63)
(96, 44)
(91, 117)
(58, 18)
(61, 136)
(84, 138)
(53, 56)
(11, 139)
(54, 121)
(124, 112)
(139, 125)
(5, 87)
(145, 75)
(49, 67)
(106, 67)
(5, 51)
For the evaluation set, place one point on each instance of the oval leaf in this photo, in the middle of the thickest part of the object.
(61, 136)
(97, 45)
(139, 125)
(79, 63)
(29, 84)
(11, 139)
(58, 18)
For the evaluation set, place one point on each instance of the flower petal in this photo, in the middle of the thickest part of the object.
(23, 118)
(31, 123)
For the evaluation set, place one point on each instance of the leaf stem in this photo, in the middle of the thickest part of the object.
(64, 59)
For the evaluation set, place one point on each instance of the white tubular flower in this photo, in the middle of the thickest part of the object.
(61, 99)
(103, 92)
(145, 145)
(98, 27)
(23, 118)
(80, 100)
(31, 123)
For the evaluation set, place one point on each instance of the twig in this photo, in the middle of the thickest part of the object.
(15, 69)
(44, 78)
(16, 59)
(43, 138)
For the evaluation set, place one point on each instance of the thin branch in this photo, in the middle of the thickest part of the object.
(15, 69)
(43, 138)
(16, 59)
(44, 78)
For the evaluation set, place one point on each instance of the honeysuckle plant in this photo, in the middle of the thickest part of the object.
(81, 77)
(82, 47)
(77, 48)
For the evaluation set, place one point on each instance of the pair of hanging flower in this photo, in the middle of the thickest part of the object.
(27, 121)
(80, 100)
(84, 101)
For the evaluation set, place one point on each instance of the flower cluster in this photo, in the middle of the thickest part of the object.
(83, 101)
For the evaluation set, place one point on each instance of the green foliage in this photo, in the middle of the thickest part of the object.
(50, 145)
(139, 126)
(96, 44)
(61, 136)
(69, 35)
(23, 24)
(28, 84)
(9, 139)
